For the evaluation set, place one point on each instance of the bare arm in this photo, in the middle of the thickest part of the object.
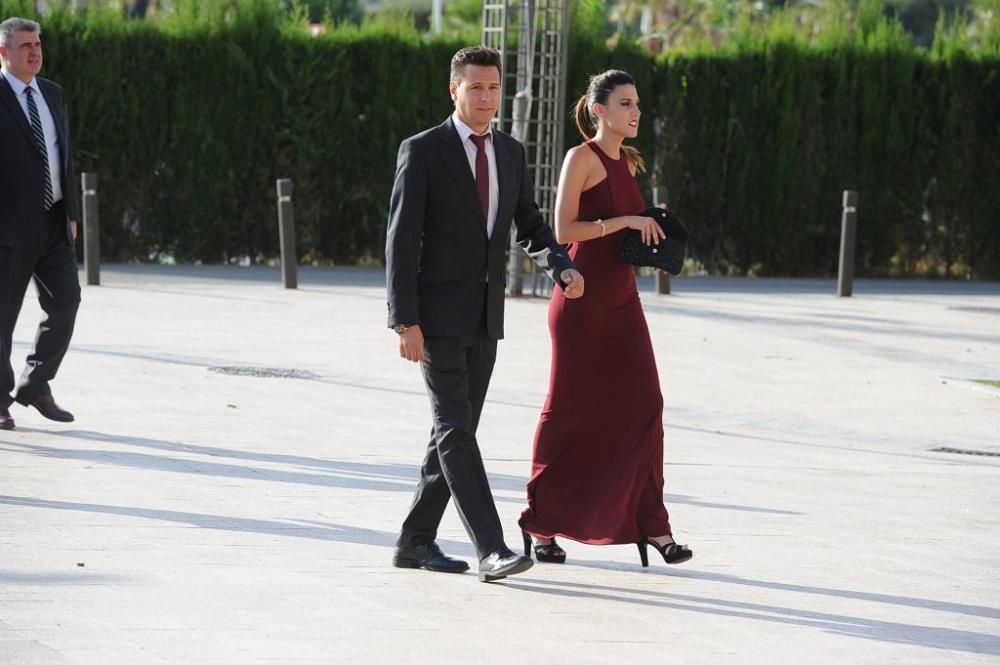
(581, 170)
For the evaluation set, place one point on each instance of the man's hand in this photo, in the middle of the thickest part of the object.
(574, 283)
(411, 344)
(72, 228)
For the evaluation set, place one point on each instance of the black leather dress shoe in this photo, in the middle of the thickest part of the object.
(428, 556)
(502, 563)
(47, 406)
(6, 422)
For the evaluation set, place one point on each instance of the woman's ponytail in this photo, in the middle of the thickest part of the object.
(584, 121)
(635, 158)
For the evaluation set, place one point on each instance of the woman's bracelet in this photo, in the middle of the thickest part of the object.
(604, 229)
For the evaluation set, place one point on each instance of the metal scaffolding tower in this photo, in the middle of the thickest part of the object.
(533, 36)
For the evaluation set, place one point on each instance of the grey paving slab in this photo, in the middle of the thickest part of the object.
(190, 516)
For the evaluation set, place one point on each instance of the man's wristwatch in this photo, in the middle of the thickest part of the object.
(400, 328)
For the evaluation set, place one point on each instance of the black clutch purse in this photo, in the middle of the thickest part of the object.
(668, 255)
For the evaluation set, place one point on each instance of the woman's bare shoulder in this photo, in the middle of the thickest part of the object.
(581, 156)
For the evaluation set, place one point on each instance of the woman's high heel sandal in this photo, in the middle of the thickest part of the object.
(547, 553)
(671, 553)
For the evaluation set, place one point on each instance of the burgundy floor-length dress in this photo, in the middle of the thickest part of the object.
(597, 467)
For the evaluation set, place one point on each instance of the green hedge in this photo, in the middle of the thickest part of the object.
(189, 121)
(188, 130)
(759, 147)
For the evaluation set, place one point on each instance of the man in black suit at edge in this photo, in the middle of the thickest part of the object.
(458, 187)
(38, 213)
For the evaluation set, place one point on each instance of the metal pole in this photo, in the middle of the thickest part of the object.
(91, 229)
(436, 7)
(286, 229)
(662, 278)
(515, 268)
(848, 224)
(519, 126)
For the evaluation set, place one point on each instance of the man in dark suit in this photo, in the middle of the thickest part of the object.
(38, 213)
(458, 187)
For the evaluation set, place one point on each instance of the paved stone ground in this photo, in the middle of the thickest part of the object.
(194, 517)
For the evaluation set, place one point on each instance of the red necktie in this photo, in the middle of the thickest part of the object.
(482, 174)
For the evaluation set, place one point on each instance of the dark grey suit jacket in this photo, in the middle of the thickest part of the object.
(22, 179)
(440, 263)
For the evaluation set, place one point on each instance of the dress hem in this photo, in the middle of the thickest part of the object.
(541, 532)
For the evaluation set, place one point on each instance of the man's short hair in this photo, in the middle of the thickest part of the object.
(15, 24)
(483, 56)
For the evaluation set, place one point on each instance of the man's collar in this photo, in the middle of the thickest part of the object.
(464, 131)
(17, 84)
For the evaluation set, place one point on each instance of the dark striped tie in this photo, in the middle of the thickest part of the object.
(36, 128)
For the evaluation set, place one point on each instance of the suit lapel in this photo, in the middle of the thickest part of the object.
(8, 96)
(457, 161)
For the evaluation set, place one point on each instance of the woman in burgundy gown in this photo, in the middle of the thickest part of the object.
(597, 466)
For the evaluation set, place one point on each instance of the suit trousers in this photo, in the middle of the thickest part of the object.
(52, 263)
(457, 373)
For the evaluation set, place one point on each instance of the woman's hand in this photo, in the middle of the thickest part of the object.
(647, 226)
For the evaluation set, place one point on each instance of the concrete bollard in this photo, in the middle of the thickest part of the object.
(286, 230)
(662, 283)
(848, 226)
(91, 229)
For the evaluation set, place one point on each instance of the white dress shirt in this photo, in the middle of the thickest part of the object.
(48, 127)
(464, 132)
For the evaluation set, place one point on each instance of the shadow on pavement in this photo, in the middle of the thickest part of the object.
(308, 470)
(849, 626)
